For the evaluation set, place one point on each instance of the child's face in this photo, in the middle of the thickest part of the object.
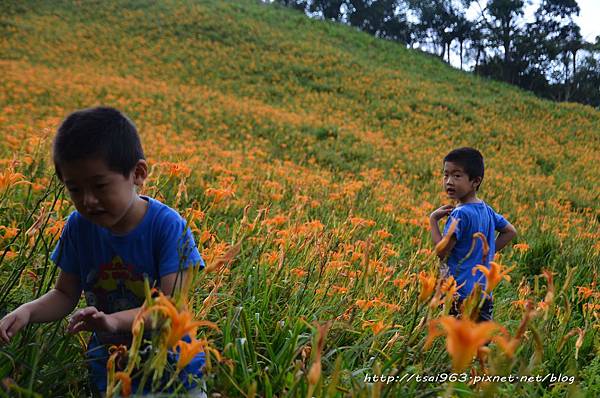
(101, 195)
(456, 182)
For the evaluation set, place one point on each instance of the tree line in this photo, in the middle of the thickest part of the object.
(546, 55)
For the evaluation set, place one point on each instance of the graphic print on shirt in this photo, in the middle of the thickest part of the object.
(114, 287)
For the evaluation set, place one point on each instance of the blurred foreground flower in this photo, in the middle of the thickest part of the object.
(463, 338)
(442, 244)
(314, 373)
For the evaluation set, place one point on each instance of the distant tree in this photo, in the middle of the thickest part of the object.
(329, 9)
(296, 4)
(462, 32)
(436, 20)
(560, 37)
(503, 24)
(382, 18)
(587, 82)
(477, 41)
(572, 42)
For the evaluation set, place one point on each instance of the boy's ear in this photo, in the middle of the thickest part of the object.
(476, 182)
(140, 172)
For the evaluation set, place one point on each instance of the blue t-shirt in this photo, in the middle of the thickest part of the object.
(112, 268)
(473, 217)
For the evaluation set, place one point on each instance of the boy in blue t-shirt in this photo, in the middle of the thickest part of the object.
(111, 242)
(463, 174)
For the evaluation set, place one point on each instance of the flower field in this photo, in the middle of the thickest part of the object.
(306, 157)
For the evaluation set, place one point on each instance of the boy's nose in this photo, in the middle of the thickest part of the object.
(89, 200)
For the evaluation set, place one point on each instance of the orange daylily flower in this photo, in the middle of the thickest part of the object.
(361, 222)
(298, 272)
(314, 373)
(442, 244)
(383, 234)
(449, 287)
(9, 232)
(187, 351)
(125, 383)
(550, 292)
(219, 194)
(427, 285)
(463, 338)
(520, 303)
(376, 327)
(182, 322)
(493, 275)
(9, 178)
(486, 247)
(522, 247)
(176, 169)
(225, 259)
(117, 354)
(578, 343)
(400, 283)
(9, 254)
(585, 291)
(276, 221)
(507, 343)
(339, 289)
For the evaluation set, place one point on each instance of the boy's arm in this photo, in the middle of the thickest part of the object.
(434, 218)
(91, 319)
(52, 306)
(506, 235)
(436, 235)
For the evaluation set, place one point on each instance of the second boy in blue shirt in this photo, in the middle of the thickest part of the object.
(463, 174)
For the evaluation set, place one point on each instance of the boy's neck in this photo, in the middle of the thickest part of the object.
(133, 218)
(470, 198)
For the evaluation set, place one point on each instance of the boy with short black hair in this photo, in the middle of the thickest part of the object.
(463, 174)
(111, 242)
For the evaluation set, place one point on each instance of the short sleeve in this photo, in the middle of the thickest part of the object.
(178, 249)
(461, 227)
(65, 254)
(499, 221)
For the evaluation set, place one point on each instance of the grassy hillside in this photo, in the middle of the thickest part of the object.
(334, 139)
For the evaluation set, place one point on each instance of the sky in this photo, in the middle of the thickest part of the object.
(589, 18)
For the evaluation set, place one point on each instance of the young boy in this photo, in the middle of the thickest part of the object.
(463, 174)
(111, 242)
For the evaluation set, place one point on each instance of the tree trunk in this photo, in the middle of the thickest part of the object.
(461, 55)
(506, 45)
(567, 85)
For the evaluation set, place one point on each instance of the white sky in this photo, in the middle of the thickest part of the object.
(589, 18)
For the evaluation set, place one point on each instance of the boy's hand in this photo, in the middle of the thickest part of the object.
(91, 319)
(441, 212)
(12, 323)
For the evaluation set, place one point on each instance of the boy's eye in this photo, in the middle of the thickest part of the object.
(100, 186)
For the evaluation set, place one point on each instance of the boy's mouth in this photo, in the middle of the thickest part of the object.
(450, 191)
